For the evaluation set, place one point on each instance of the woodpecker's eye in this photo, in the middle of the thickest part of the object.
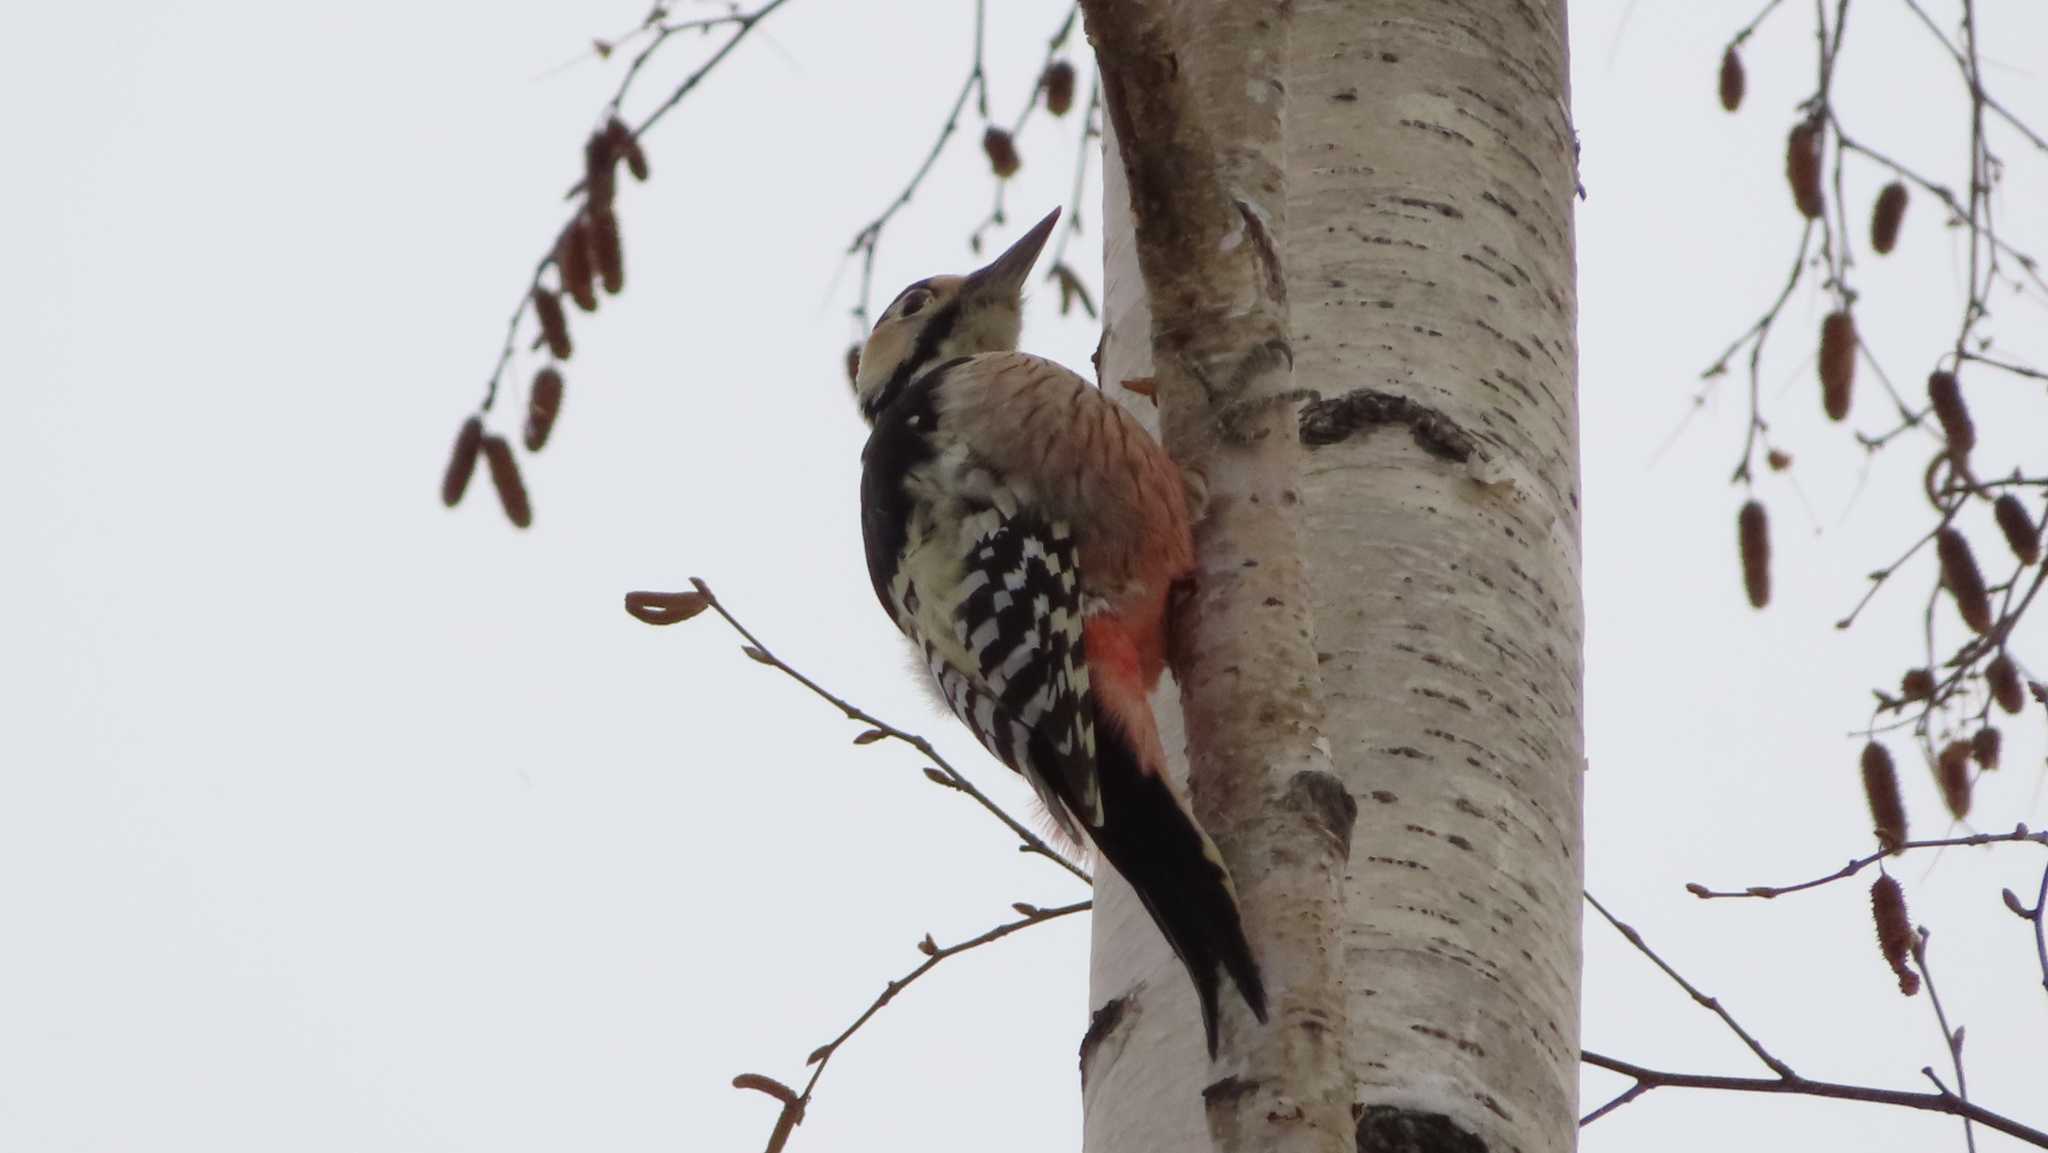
(914, 302)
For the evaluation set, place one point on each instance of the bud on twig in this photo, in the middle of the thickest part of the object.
(462, 462)
(554, 327)
(1886, 217)
(1732, 80)
(1753, 532)
(1952, 773)
(1058, 82)
(1837, 363)
(2021, 535)
(2003, 678)
(1002, 152)
(1881, 789)
(1802, 168)
(1965, 583)
(505, 478)
(1947, 394)
(1894, 930)
(1984, 746)
(543, 402)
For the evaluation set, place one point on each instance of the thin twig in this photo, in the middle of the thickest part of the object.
(869, 238)
(1951, 1039)
(1089, 132)
(1712, 1004)
(1032, 842)
(1768, 892)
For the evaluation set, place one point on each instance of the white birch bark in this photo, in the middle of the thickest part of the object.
(1428, 257)
(1195, 92)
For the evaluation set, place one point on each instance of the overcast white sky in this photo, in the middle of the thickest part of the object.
(332, 820)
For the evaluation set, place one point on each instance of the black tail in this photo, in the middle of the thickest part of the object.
(1170, 861)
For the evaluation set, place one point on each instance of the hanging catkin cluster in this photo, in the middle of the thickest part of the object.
(588, 255)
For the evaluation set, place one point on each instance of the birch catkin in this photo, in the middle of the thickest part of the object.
(600, 168)
(554, 327)
(1753, 535)
(505, 478)
(2002, 677)
(606, 251)
(622, 143)
(1965, 583)
(1837, 363)
(1002, 152)
(1802, 168)
(543, 403)
(1059, 87)
(1733, 82)
(1894, 930)
(1881, 790)
(1952, 773)
(2022, 536)
(1886, 216)
(1916, 684)
(1945, 392)
(462, 462)
(572, 259)
(1984, 746)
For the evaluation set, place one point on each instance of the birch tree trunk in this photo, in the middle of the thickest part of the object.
(1429, 169)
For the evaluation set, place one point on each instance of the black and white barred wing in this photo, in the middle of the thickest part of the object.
(1004, 643)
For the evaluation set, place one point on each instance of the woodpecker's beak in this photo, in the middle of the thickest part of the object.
(1004, 276)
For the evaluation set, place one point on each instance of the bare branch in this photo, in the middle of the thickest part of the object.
(1767, 892)
(1940, 1102)
(794, 1104)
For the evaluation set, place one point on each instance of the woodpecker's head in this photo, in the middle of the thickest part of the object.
(937, 319)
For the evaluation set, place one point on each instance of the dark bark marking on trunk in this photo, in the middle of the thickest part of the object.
(1269, 256)
(1101, 1025)
(1325, 798)
(1327, 421)
(1358, 410)
(1388, 1129)
(1227, 1090)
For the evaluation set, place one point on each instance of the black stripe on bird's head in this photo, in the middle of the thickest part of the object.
(943, 317)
